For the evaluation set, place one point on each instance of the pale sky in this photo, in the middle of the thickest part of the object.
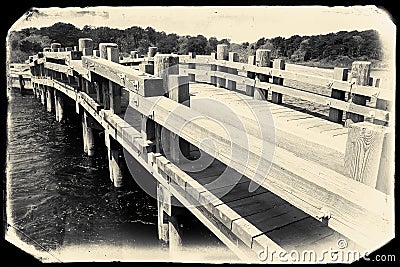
(236, 23)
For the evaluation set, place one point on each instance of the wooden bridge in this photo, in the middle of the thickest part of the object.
(328, 175)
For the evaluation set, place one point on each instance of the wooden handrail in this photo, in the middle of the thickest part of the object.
(345, 86)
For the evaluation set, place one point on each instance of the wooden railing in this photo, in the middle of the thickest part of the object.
(259, 80)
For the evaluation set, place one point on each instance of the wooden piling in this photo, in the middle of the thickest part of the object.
(113, 54)
(147, 68)
(165, 65)
(250, 88)
(369, 156)
(103, 49)
(86, 46)
(115, 97)
(175, 234)
(336, 115)
(151, 51)
(49, 98)
(59, 106)
(54, 47)
(359, 75)
(233, 57)
(192, 77)
(278, 64)
(133, 54)
(263, 59)
(178, 89)
(222, 54)
(114, 160)
(164, 211)
(106, 93)
(88, 138)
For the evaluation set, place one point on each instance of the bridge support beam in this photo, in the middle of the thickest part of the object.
(115, 159)
(88, 138)
(49, 99)
(59, 105)
(169, 231)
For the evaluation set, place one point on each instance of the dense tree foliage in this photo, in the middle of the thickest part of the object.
(352, 45)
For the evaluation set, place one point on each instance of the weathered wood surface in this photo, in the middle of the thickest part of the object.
(309, 186)
(345, 86)
(315, 98)
(58, 67)
(136, 81)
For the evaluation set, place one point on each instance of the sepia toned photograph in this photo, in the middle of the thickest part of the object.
(201, 134)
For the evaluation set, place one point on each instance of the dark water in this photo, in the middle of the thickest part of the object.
(59, 197)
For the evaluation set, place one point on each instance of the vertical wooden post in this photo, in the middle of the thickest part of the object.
(165, 65)
(263, 59)
(115, 97)
(222, 54)
(233, 57)
(88, 138)
(213, 67)
(151, 130)
(113, 54)
(133, 54)
(99, 94)
(147, 68)
(151, 51)
(106, 93)
(42, 89)
(359, 75)
(54, 47)
(164, 211)
(59, 105)
(114, 160)
(192, 77)
(178, 90)
(278, 64)
(175, 234)
(369, 155)
(86, 46)
(250, 88)
(336, 115)
(50, 99)
(103, 49)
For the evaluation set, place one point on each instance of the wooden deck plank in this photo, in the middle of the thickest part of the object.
(267, 221)
(260, 202)
(301, 234)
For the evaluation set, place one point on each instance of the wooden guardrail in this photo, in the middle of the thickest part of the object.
(269, 78)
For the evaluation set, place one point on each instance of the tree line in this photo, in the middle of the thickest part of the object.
(339, 46)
